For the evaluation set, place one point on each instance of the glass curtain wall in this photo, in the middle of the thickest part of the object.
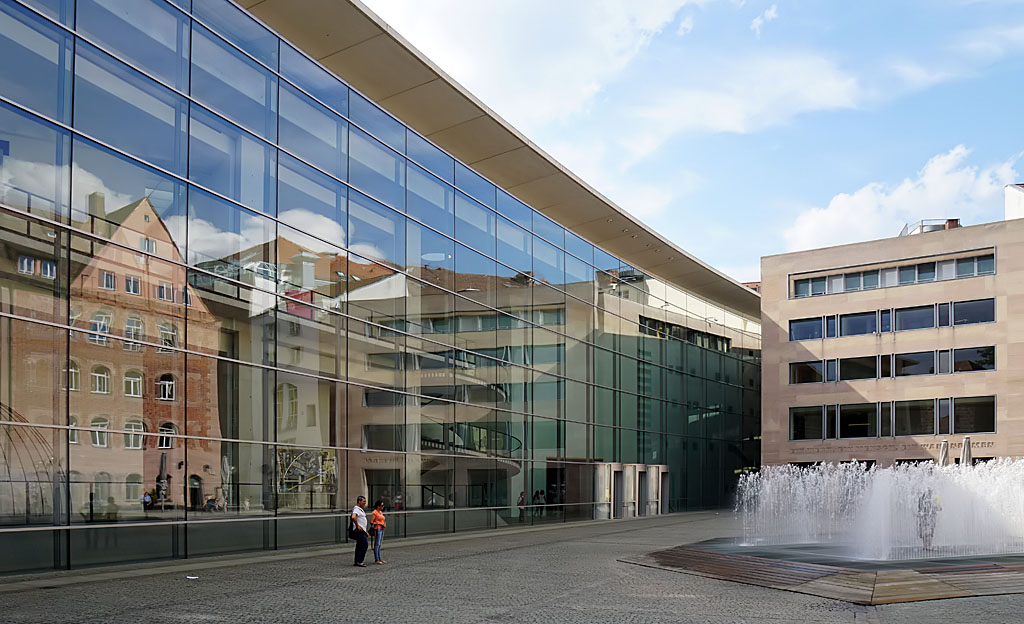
(234, 289)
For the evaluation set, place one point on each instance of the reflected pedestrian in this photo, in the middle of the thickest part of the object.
(521, 504)
(377, 526)
(357, 531)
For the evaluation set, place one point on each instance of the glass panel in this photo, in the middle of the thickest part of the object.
(944, 411)
(548, 229)
(914, 417)
(805, 423)
(885, 419)
(922, 363)
(818, 285)
(375, 121)
(974, 414)
(858, 368)
(944, 366)
(36, 71)
(128, 203)
(908, 275)
(474, 279)
(310, 339)
(474, 225)
(61, 10)
(977, 311)
(885, 322)
(830, 370)
(986, 265)
(858, 420)
(852, 282)
(943, 315)
(306, 410)
(830, 326)
(231, 162)
(430, 157)
(313, 132)
(238, 28)
(548, 263)
(921, 317)
(802, 288)
(474, 185)
(430, 256)
(29, 392)
(152, 36)
(376, 170)
(429, 200)
(870, 279)
(515, 246)
(926, 272)
(976, 359)
(805, 329)
(232, 84)
(375, 232)
(578, 247)
(857, 324)
(129, 111)
(806, 372)
(230, 320)
(965, 267)
(313, 79)
(312, 202)
(946, 269)
(885, 365)
(33, 164)
(231, 241)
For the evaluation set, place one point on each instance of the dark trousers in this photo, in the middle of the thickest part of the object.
(361, 545)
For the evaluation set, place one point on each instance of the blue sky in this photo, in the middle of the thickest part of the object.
(747, 128)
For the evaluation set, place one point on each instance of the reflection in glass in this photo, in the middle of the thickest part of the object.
(128, 110)
(231, 162)
(36, 71)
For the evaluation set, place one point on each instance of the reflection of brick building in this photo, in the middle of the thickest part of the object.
(118, 390)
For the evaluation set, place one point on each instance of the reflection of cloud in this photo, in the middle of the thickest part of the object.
(208, 242)
(85, 183)
(317, 224)
(366, 250)
(945, 187)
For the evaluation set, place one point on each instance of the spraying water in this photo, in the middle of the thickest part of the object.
(902, 512)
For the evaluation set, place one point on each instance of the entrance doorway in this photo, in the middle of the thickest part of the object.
(617, 502)
(642, 495)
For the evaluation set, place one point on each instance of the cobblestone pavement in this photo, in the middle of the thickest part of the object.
(554, 575)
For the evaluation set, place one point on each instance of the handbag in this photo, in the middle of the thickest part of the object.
(353, 530)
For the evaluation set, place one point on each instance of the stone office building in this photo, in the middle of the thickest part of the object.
(879, 351)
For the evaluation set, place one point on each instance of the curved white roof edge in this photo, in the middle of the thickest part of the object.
(358, 46)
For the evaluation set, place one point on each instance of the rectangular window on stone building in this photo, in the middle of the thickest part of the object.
(974, 414)
(805, 423)
(806, 372)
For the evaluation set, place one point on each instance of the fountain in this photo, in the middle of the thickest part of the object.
(904, 512)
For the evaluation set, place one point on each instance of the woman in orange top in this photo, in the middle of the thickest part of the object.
(377, 523)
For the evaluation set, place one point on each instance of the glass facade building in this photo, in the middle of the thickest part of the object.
(235, 294)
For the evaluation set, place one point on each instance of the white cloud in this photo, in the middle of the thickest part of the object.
(534, 61)
(685, 26)
(771, 13)
(991, 44)
(742, 96)
(946, 187)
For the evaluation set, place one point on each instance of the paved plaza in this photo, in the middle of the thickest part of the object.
(551, 575)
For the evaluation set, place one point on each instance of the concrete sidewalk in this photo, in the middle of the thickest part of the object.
(564, 573)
